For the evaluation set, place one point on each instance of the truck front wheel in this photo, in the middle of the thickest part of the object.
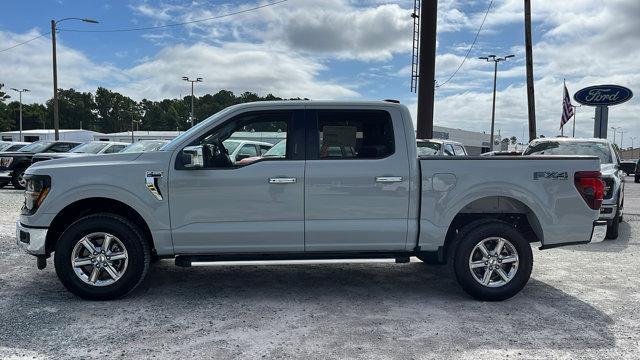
(492, 261)
(102, 257)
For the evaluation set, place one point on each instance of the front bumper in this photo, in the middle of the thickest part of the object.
(31, 240)
(6, 174)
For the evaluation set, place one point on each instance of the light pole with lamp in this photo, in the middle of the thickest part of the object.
(54, 23)
(615, 129)
(20, 92)
(495, 60)
(575, 112)
(185, 78)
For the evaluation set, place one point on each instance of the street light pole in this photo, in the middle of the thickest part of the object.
(495, 60)
(20, 92)
(615, 129)
(575, 113)
(185, 78)
(54, 23)
(633, 138)
(621, 138)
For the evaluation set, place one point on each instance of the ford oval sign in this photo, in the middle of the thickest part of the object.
(603, 95)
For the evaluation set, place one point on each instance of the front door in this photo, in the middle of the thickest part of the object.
(255, 206)
(356, 181)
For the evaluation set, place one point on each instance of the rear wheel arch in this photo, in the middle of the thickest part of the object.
(89, 206)
(490, 209)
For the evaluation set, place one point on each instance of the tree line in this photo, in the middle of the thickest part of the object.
(108, 111)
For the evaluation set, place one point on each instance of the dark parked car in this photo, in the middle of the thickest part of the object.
(637, 173)
(628, 166)
(13, 164)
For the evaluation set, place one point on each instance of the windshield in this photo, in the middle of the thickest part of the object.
(35, 147)
(278, 150)
(428, 148)
(4, 146)
(89, 148)
(144, 146)
(231, 145)
(590, 148)
(15, 147)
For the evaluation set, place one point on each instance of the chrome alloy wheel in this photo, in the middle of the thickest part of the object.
(493, 262)
(99, 259)
(21, 179)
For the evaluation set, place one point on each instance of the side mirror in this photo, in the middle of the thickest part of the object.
(192, 157)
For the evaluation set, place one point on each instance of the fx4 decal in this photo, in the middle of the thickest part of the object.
(552, 175)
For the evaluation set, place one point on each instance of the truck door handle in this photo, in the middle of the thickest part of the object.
(282, 180)
(388, 179)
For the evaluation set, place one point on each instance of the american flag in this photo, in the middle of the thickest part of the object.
(567, 108)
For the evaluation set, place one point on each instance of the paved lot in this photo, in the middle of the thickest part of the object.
(582, 302)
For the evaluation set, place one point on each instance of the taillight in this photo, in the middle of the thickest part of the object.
(591, 187)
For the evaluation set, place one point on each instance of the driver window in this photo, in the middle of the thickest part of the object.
(240, 141)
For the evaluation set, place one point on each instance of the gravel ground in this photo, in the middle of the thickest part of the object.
(581, 302)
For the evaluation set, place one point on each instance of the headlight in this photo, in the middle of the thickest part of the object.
(6, 161)
(36, 191)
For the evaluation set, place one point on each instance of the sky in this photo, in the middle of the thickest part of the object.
(335, 49)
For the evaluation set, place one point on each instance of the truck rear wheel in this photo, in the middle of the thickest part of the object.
(102, 257)
(492, 261)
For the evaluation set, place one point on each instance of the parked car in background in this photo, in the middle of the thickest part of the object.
(636, 175)
(277, 151)
(13, 164)
(105, 217)
(628, 166)
(8, 146)
(88, 148)
(243, 149)
(612, 208)
(502, 153)
(435, 147)
(144, 146)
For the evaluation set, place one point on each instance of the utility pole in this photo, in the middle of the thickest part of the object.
(615, 129)
(495, 60)
(54, 23)
(621, 139)
(575, 113)
(633, 138)
(20, 92)
(427, 68)
(185, 78)
(529, 64)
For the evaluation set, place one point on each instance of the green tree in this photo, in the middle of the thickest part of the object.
(6, 122)
(74, 109)
(514, 140)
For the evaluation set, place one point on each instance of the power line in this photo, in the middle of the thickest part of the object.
(178, 24)
(25, 42)
(470, 48)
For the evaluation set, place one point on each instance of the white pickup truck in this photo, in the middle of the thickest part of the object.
(349, 186)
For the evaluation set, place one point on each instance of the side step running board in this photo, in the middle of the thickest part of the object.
(189, 260)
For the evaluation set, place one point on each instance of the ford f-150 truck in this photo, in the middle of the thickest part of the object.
(105, 218)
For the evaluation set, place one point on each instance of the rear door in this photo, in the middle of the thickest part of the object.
(356, 180)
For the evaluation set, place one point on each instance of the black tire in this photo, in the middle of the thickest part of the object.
(613, 228)
(17, 177)
(137, 248)
(637, 179)
(471, 236)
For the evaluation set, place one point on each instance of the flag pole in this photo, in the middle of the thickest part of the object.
(574, 121)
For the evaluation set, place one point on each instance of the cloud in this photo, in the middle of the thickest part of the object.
(234, 66)
(29, 66)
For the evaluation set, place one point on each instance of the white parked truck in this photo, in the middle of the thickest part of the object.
(105, 218)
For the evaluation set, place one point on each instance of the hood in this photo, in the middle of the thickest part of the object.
(59, 155)
(93, 163)
(16, 153)
(608, 169)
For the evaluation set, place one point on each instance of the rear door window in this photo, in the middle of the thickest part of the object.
(459, 150)
(353, 134)
(448, 150)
